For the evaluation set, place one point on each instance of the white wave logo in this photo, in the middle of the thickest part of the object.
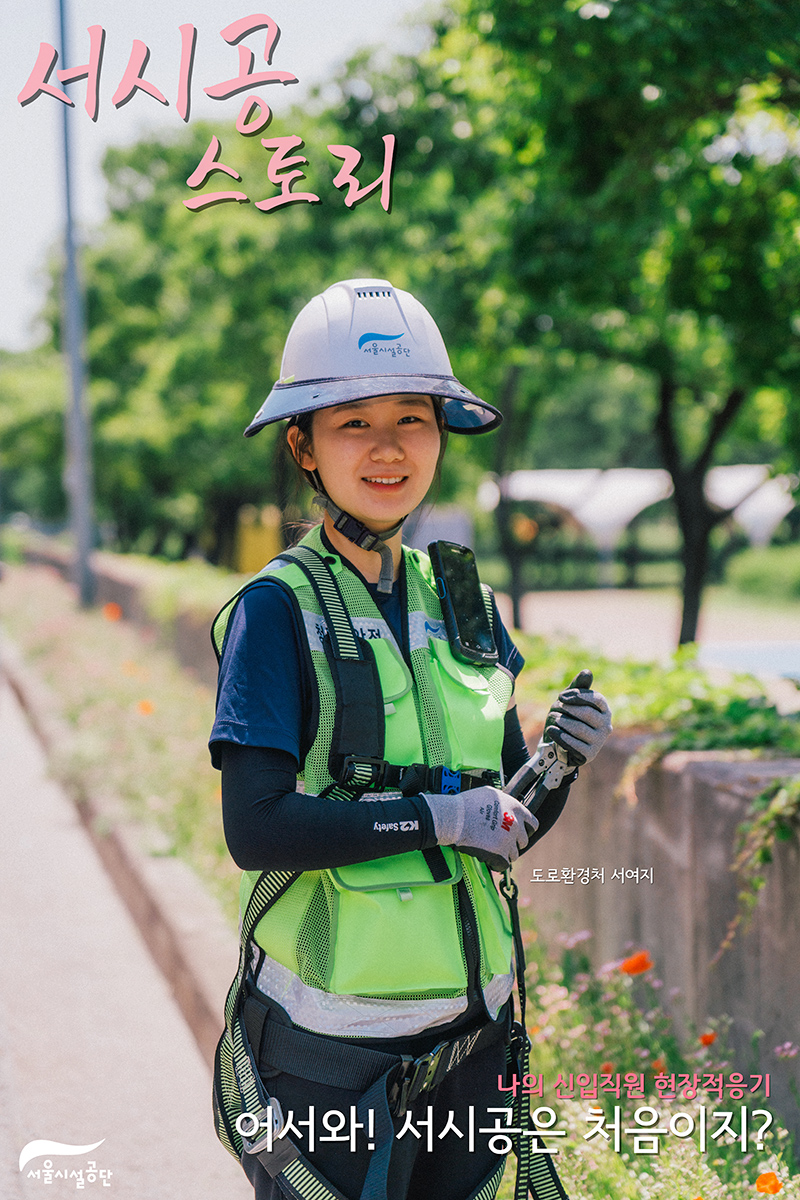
(44, 1146)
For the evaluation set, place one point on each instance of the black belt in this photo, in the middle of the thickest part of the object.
(375, 774)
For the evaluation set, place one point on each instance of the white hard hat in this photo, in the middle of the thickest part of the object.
(364, 338)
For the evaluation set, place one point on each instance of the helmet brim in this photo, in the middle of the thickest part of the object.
(463, 411)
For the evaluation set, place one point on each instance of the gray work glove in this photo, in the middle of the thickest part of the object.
(484, 822)
(580, 722)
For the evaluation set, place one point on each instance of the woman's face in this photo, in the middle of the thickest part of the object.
(377, 458)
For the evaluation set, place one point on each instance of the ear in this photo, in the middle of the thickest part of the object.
(302, 456)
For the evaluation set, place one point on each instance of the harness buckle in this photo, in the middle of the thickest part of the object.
(275, 1153)
(270, 1121)
(355, 767)
(447, 781)
(355, 532)
(417, 1076)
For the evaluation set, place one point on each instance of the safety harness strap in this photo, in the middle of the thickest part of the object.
(359, 725)
(334, 1063)
(378, 775)
(535, 1170)
(295, 1176)
(237, 1085)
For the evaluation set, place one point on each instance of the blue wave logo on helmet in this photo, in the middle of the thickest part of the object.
(378, 337)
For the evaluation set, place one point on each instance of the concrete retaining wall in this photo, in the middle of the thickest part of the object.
(684, 827)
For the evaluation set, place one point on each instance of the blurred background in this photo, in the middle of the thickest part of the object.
(601, 213)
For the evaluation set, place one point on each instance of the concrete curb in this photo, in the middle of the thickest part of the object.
(183, 927)
(116, 581)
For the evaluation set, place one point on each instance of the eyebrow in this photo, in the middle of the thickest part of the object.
(408, 401)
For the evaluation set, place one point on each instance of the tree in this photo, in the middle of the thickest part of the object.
(570, 191)
(603, 194)
(32, 397)
(646, 223)
(187, 314)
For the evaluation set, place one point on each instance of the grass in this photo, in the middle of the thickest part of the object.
(611, 1022)
(772, 571)
(136, 723)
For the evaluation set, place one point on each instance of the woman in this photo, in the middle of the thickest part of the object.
(370, 1018)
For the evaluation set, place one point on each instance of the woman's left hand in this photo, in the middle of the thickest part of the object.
(580, 721)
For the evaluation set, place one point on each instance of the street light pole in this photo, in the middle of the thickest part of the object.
(78, 459)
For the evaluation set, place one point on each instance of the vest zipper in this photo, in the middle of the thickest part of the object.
(471, 944)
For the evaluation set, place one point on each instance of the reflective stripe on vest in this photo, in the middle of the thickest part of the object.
(375, 949)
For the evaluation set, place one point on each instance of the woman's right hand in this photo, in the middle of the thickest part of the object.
(484, 822)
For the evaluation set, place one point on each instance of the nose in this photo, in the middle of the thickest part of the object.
(387, 446)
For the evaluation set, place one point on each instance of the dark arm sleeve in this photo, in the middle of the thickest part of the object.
(269, 826)
(515, 749)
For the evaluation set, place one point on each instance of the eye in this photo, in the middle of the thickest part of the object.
(355, 423)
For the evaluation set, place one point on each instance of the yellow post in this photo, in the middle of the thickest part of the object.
(258, 537)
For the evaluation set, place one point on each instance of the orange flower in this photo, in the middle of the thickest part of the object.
(146, 707)
(112, 611)
(607, 1068)
(769, 1183)
(658, 1066)
(707, 1039)
(637, 963)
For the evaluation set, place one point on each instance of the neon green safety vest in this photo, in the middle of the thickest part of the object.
(378, 949)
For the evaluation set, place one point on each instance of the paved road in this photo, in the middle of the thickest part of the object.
(643, 624)
(91, 1043)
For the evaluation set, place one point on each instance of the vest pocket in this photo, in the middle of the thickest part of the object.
(395, 931)
(471, 713)
(402, 871)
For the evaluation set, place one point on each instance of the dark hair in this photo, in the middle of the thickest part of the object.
(304, 422)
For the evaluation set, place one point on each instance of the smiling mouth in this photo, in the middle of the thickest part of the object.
(385, 482)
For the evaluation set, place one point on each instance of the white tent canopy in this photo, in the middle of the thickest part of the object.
(726, 487)
(605, 502)
(618, 496)
(763, 510)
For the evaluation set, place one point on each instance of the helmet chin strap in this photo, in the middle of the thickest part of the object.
(357, 532)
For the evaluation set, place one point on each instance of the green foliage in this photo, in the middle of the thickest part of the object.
(774, 817)
(32, 393)
(771, 571)
(679, 702)
(678, 706)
